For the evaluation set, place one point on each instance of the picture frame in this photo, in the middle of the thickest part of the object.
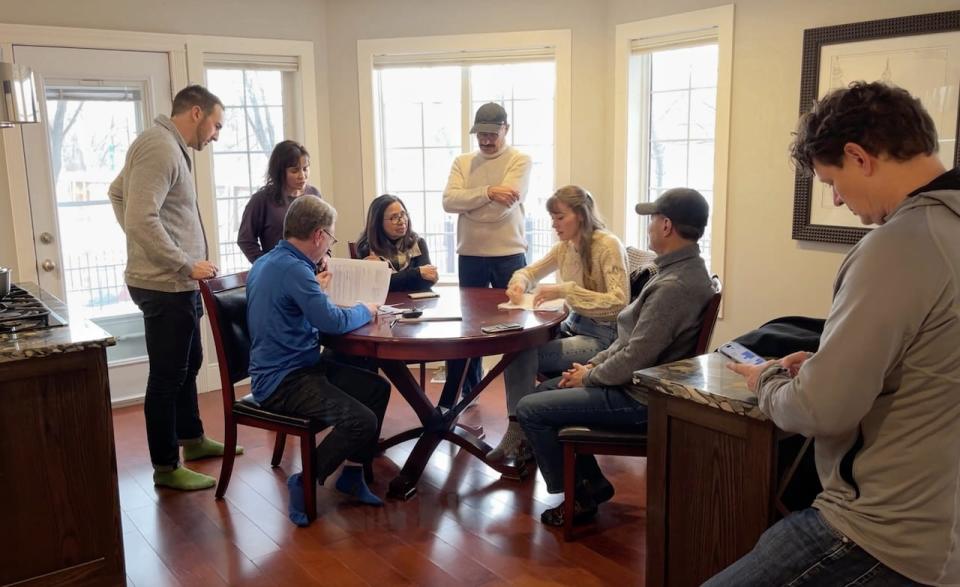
(922, 51)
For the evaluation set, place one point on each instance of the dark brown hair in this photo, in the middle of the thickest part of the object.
(285, 154)
(376, 238)
(195, 95)
(881, 118)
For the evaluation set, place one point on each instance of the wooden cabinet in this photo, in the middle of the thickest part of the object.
(58, 472)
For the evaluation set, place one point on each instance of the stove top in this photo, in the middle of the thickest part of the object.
(21, 311)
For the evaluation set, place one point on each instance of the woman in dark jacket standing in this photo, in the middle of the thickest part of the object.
(388, 237)
(261, 227)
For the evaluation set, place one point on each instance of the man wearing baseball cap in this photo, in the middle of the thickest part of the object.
(486, 189)
(661, 325)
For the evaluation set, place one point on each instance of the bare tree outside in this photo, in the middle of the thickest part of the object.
(257, 115)
(59, 127)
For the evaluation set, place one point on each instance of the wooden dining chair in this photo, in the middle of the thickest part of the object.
(577, 440)
(226, 301)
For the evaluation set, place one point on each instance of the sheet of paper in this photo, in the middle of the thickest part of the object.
(527, 304)
(356, 280)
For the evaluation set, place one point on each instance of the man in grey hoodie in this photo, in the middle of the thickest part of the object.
(881, 396)
(155, 201)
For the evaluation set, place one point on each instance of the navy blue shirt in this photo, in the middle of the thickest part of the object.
(286, 311)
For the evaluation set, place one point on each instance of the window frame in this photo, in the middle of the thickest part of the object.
(664, 32)
(428, 49)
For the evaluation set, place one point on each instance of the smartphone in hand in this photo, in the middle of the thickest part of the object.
(741, 354)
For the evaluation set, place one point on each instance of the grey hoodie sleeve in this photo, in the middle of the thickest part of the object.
(879, 289)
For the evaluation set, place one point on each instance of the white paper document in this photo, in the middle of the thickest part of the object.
(527, 304)
(356, 280)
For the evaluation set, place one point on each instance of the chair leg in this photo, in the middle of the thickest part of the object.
(278, 446)
(569, 483)
(226, 464)
(308, 476)
(368, 472)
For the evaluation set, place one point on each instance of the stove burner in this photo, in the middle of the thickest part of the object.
(21, 311)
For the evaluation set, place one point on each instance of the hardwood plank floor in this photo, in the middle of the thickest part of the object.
(465, 527)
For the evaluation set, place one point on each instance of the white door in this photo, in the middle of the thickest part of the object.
(95, 102)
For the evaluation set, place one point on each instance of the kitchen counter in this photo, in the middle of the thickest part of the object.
(77, 335)
(704, 380)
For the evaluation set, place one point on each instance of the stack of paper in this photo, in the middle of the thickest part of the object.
(527, 304)
(356, 280)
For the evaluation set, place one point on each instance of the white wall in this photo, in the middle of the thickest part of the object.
(767, 274)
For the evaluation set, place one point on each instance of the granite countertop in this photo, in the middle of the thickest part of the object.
(77, 335)
(703, 379)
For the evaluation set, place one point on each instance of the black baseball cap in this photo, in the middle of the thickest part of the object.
(489, 118)
(682, 206)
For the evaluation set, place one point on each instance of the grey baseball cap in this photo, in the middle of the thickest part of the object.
(489, 118)
(682, 206)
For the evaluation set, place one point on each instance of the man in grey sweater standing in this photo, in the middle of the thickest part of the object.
(155, 201)
(880, 396)
(660, 326)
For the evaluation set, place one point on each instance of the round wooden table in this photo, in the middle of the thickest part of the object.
(396, 343)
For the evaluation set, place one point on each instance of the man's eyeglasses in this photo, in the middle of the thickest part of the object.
(332, 238)
(397, 218)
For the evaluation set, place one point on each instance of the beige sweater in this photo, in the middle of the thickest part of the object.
(484, 227)
(600, 295)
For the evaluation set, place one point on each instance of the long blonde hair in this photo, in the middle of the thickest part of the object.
(580, 200)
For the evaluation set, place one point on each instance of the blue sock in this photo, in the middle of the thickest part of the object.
(351, 482)
(298, 514)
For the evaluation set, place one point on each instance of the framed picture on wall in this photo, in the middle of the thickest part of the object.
(918, 53)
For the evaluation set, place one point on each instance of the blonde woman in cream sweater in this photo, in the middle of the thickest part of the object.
(592, 279)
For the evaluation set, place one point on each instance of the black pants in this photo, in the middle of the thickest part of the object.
(171, 325)
(477, 272)
(350, 399)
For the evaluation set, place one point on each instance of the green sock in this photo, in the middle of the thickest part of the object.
(207, 447)
(183, 479)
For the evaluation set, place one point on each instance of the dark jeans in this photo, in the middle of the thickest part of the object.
(478, 272)
(544, 413)
(171, 325)
(351, 400)
(803, 549)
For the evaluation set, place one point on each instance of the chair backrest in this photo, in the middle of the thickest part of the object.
(709, 317)
(226, 301)
(637, 260)
(352, 247)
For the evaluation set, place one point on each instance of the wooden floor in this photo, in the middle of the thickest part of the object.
(465, 527)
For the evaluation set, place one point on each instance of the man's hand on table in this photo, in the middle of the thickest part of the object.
(791, 363)
(573, 377)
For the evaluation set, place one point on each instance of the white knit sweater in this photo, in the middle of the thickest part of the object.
(601, 294)
(484, 227)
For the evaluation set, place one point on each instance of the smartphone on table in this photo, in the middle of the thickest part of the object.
(741, 354)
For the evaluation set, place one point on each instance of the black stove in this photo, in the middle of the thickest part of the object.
(21, 311)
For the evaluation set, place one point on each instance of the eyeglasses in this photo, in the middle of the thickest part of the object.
(332, 238)
(397, 218)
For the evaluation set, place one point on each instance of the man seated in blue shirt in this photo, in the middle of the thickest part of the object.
(286, 311)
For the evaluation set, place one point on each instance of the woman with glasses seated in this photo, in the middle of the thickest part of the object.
(261, 227)
(388, 237)
(590, 264)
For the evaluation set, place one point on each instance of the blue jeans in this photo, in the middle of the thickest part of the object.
(171, 327)
(477, 272)
(803, 549)
(544, 413)
(581, 338)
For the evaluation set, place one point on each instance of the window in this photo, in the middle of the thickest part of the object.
(422, 108)
(678, 99)
(257, 115)
(672, 117)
